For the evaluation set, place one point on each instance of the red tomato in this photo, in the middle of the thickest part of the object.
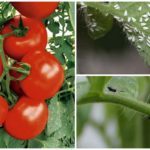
(38, 10)
(1, 67)
(46, 75)
(14, 84)
(26, 119)
(3, 110)
(35, 38)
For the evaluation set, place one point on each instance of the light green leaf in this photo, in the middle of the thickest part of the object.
(97, 83)
(54, 122)
(131, 87)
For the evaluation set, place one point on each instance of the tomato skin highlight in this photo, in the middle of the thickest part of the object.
(14, 84)
(46, 75)
(3, 110)
(26, 119)
(36, 37)
(36, 10)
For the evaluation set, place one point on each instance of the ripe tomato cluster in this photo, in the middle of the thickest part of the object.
(29, 116)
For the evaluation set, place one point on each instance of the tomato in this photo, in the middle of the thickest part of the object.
(35, 38)
(26, 119)
(38, 10)
(46, 75)
(3, 110)
(1, 67)
(14, 84)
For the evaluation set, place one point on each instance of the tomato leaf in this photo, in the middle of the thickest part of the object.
(54, 121)
(98, 24)
(97, 83)
(7, 141)
(7, 12)
(53, 26)
(134, 18)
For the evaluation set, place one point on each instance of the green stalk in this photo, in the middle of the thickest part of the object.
(20, 70)
(5, 68)
(2, 53)
(135, 104)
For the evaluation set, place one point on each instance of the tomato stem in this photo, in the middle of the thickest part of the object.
(20, 70)
(134, 104)
(7, 68)
(8, 87)
(67, 90)
(3, 58)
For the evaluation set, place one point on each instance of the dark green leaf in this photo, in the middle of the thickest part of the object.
(98, 24)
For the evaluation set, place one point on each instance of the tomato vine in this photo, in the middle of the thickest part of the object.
(60, 130)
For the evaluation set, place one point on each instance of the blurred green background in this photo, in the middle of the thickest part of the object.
(102, 125)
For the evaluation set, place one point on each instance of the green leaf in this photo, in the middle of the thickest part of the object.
(35, 144)
(54, 122)
(130, 87)
(38, 142)
(98, 24)
(6, 12)
(61, 122)
(6, 141)
(134, 17)
(53, 26)
(97, 83)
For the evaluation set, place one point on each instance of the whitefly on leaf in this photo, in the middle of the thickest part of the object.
(135, 18)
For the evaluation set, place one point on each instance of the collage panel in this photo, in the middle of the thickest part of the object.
(113, 60)
(113, 111)
(37, 63)
(113, 37)
(74, 74)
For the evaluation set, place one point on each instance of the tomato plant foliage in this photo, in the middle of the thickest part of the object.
(59, 131)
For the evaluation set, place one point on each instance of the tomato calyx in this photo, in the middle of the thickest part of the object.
(21, 30)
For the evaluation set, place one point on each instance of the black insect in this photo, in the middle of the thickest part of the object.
(111, 89)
